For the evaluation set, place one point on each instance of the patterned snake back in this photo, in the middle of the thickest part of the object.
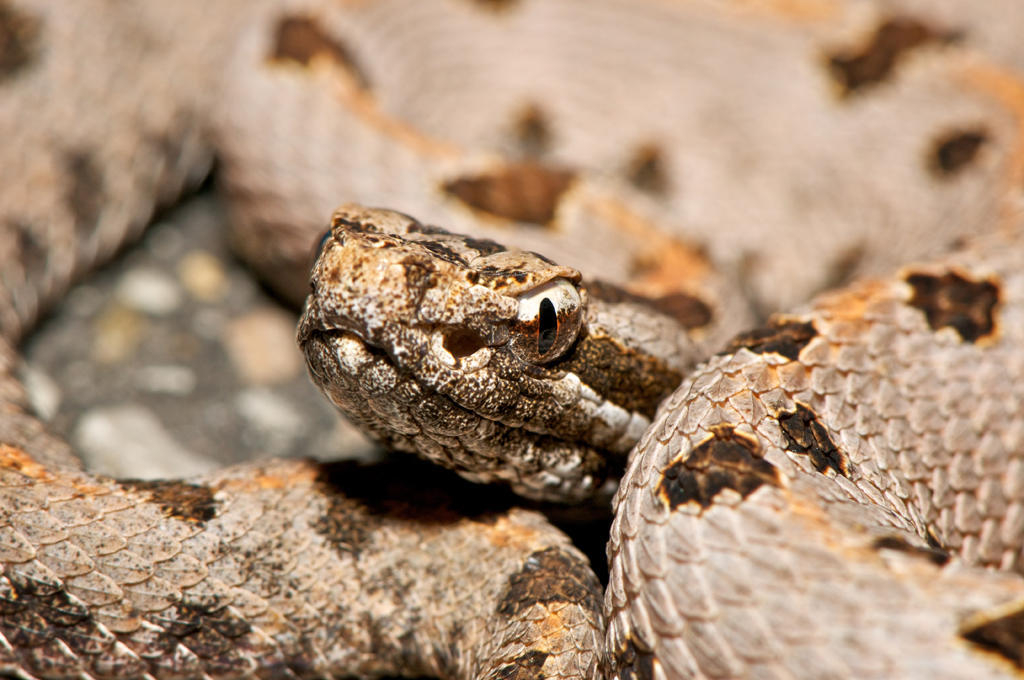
(838, 493)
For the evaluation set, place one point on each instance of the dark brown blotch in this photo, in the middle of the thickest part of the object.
(524, 667)
(1003, 635)
(303, 658)
(624, 376)
(875, 61)
(725, 460)
(444, 252)
(495, 5)
(33, 611)
(936, 556)
(804, 434)
(178, 620)
(150, 642)
(643, 667)
(955, 151)
(647, 170)
(25, 629)
(231, 663)
(484, 246)
(84, 195)
(31, 251)
(632, 663)
(119, 662)
(368, 228)
(180, 500)
(417, 227)
(533, 131)
(549, 577)
(687, 310)
(227, 623)
(951, 300)
(778, 336)
(345, 524)
(60, 608)
(300, 39)
(523, 192)
(206, 643)
(19, 40)
(88, 637)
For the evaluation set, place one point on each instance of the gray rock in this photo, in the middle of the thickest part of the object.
(166, 379)
(150, 291)
(43, 392)
(129, 441)
(270, 417)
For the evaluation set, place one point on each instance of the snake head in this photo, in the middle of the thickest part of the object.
(488, 360)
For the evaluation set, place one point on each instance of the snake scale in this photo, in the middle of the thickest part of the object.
(838, 493)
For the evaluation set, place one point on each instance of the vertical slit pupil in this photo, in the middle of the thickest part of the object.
(548, 327)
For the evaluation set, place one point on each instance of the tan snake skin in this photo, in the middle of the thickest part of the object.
(770, 523)
(812, 502)
(816, 502)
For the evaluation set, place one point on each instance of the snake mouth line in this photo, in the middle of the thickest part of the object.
(483, 439)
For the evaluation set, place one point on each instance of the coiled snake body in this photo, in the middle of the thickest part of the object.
(836, 494)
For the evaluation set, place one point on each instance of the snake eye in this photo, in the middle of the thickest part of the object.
(549, 319)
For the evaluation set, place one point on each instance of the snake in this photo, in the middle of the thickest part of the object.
(832, 491)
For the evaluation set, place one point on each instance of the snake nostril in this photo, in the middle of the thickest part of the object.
(462, 343)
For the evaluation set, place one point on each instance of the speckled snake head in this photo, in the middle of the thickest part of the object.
(485, 359)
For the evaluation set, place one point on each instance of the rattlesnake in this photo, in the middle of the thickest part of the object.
(782, 515)
(830, 139)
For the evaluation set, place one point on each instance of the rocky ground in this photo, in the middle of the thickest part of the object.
(173, 361)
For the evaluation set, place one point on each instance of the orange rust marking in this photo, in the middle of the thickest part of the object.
(14, 458)
(850, 304)
(667, 264)
(1005, 87)
(507, 534)
(354, 100)
(281, 476)
(360, 102)
(551, 625)
(843, 310)
(88, 489)
(800, 11)
(365, 106)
